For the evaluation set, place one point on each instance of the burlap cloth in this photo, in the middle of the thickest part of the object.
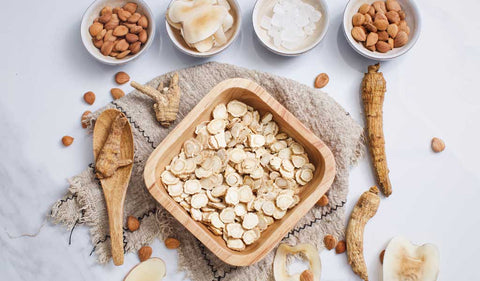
(84, 202)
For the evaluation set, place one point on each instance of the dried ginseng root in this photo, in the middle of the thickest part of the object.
(364, 210)
(108, 160)
(373, 93)
(167, 100)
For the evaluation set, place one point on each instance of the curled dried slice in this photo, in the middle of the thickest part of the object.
(215, 220)
(192, 186)
(236, 244)
(220, 139)
(237, 155)
(285, 153)
(199, 200)
(248, 165)
(211, 198)
(219, 190)
(228, 215)
(245, 194)
(169, 178)
(268, 207)
(250, 220)
(217, 205)
(250, 236)
(280, 182)
(234, 230)
(256, 140)
(278, 214)
(196, 214)
(178, 166)
(241, 209)
(232, 196)
(284, 201)
(247, 119)
(175, 189)
(233, 179)
(287, 174)
(257, 173)
(298, 161)
(203, 173)
(287, 165)
(236, 108)
(275, 163)
(281, 136)
(220, 112)
(192, 147)
(297, 148)
(216, 126)
(270, 128)
(215, 230)
(267, 118)
(309, 251)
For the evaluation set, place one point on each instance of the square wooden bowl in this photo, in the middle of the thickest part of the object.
(255, 96)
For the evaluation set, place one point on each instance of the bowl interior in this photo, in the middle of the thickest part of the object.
(94, 11)
(231, 34)
(265, 8)
(412, 19)
(317, 152)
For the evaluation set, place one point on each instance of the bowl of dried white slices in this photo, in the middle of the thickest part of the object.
(290, 27)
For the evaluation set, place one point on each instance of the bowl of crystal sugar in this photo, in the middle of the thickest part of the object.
(290, 27)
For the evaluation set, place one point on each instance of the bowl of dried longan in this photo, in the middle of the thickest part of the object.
(381, 30)
(117, 31)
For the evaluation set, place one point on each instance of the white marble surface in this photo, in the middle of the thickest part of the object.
(432, 91)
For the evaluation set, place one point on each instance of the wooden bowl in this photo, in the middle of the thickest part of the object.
(232, 34)
(255, 96)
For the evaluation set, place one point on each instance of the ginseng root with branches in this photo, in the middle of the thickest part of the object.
(167, 100)
(373, 94)
(364, 210)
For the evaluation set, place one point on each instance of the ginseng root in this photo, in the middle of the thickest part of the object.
(373, 93)
(363, 211)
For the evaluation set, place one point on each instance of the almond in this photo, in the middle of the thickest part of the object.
(97, 43)
(84, 119)
(130, 7)
(101, 34)
(135, 47)
(371, 48)
(134, 18)
(145, 253)
(401, 39)
(438, 145)
(95, 29)
(321, 80)
(109, 36)
(117, 93)
(142, 36)
(307, 275)
(368, 18)
(105, 18)
(391, 42)
(402, 15)
(341, 247)
(123, 54)
(329, 241)
(323, 201)
(135, 29)
(371, 12)
(380, 16)
(122, 77)
(107, 10)
(112, 23)
(89, 97)
(67, 140)
(372, 39)
(172, 243)
(382, 47)
(358, 19)
(392, 30)
(143, 22)
(130, 37)
(380, 6)
(364, 9)
(381, 24)
(123, 15)
(370, 27)
(114, 54)
(392, 5)
(382, 36)
(382, 254)
(121, 45)
(393, 17)
(107, 48)
(132, 223)
(359, 34)
(120, 30)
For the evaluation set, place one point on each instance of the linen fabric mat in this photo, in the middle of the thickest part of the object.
(84, 202)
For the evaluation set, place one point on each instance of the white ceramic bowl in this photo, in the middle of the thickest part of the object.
(93, 11)
(265, 7)
(231, 34)
(413, 21)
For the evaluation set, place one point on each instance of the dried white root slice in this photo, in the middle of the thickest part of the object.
(233, 179)
(192, 186)
(169, 178)
(277, 146)
(211, 198)
(236, 108)
(250, 236)
(220, 138)
(212, 142)
(306, 175)
(234, 230)
(217, 205)
(271, 128)
(216, 126)
(287, 165)
(185, 205)
(281, 136)
(232, 197)
(192, 147)
(196, 214)
(267, 118)
(278, 214)
(153, 269)
(270, 139)
(220, 112)
(256, 140)
(215, 220)
(296, 200)
(178, 166)
(199, 200)
(257, 173)
(245, 194)
(287, 174)
(268, 207)
(241, 209)
(250, 220)
(219, 190)
(284, 201)
(237, 155)
(280, 182)
(406, 261)
(275, 163)
(175, 189)
(310, 252)
(227, 215)
(202, 173)
(298, 161)
(190, 165)
(248, 165)
(236, 244)
(215, 230)
(297, 148)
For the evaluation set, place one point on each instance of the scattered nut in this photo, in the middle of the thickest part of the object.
(364, 9)
(341, 247)
(95, 29)
(117, 93)
(84, 119)
(89, 97)
(438, 145)
(358, 34)
(382, 36)
(382, 46)
(329, 241)
(382, 254)
(132, 223)
(130, 7)
(401, 39)
(323, 201)
(67, 140)
(372, 39)
(145, 253)
(321, 80)
(358, 19)
(379, 6)
(307, 275)
(393, 17)
(122, 77)
(172, 243)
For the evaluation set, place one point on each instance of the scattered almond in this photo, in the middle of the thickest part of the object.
(382, 254)
(321, 80)
(130, 37)
(370, 27)
(372, 39)
(84, 119)
(358, 19)
(323, 201)
(89, 97)
(329, 241)
(401, 39)
(379, 6)
(142, 36)
(359, 34)
(95, 29)
(134, 18)
(393, 17)
(132, 223)
(364, 9)
(380, 24)
(135, 47)
(67, 140)
(107, 48)
(341, 247)
(117, 93)
(145, 253)
(382, 36)
(143, 22)
(382, 46)
(438, 145)
(307, 275)
(122, 77)
(130, 7)
(172, 243)
(392, 30)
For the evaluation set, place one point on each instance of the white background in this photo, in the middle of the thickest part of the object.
(432, 91)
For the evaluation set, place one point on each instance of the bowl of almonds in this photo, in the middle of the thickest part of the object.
(381, 30)
(117, 31)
